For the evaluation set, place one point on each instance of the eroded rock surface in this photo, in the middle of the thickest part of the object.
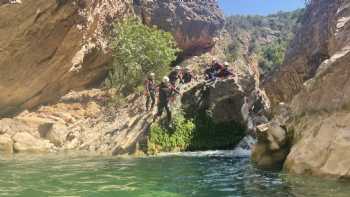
(79, 121)
(194, 24)
(51, 47)
(54, 46)
(315, 82)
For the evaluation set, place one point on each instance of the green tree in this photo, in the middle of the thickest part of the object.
(272, 56)
(137, 50)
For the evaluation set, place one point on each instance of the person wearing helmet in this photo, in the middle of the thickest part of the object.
(187, 76)
(225, 72)
(216, 65)
(165, 93)
(175, 75)
(150, 91)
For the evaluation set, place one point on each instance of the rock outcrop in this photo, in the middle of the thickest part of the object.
(51, 47)
(222, 101)
(79, 121)
(320, 36)
(315, 82)
(194, 24)
(54, 46)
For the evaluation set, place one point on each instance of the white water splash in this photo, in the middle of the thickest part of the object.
(243, 149)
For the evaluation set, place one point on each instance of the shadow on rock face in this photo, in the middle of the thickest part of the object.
(216, 110)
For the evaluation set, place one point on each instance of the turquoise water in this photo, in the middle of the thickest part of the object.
(197, 174)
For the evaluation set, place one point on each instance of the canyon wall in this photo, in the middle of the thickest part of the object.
(314, 81)
(48, 47)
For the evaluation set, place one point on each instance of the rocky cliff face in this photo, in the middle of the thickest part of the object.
(54, 46)
(194, 24)
(317, 40)
(48, 47)
(315, 81)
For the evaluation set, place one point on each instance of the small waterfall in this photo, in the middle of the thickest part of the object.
(243, 149)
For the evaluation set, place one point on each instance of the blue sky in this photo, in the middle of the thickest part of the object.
(259, 7)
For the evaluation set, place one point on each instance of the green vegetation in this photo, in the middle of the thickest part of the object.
(137, 50)
(272, 55)
(190, 135)
(162, 139)
(265, 37)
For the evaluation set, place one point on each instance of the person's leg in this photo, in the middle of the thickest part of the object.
(153, 98)
(159, 112)
(147, 101)
(168, 113)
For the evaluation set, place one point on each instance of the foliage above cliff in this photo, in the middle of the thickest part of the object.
(138, 50)
(266, 37)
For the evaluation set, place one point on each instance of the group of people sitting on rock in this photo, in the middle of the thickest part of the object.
(169, 87)
(217, 70)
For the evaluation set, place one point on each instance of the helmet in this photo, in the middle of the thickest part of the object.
(215, 60)
(165, 79)
(226, 64)
(177, 68)
(152, 74)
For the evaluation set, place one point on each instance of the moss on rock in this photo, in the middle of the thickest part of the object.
(200, 133)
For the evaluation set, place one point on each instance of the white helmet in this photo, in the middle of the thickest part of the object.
(226, 64)
(152, 74)
(177, 68)
(165, 79)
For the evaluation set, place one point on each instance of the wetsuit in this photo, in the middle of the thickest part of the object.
(165, 92)
(225, 72)
(187, 77)
(173, 77)
(150, 87)
(210, 74)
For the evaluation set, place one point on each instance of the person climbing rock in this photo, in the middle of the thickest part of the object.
(175, 75)
(150, 91)
(166, 90)
(212, 70)
(217, 67)
(187, 76)
(209, 74)
(225, 72)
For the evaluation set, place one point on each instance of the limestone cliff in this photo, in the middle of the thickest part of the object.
(315, 82)
(194, 24)
(48, 47)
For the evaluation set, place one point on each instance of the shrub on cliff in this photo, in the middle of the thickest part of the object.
(138, 50)
(162, 139)
(200, 133)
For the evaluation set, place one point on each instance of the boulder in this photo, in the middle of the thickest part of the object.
(222, 101)
(6, 144)
(56, 133)
(322, 146)
(194, 24)
(272, 147)
(25, 142)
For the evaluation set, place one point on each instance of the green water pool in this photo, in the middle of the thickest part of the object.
(206, 174)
